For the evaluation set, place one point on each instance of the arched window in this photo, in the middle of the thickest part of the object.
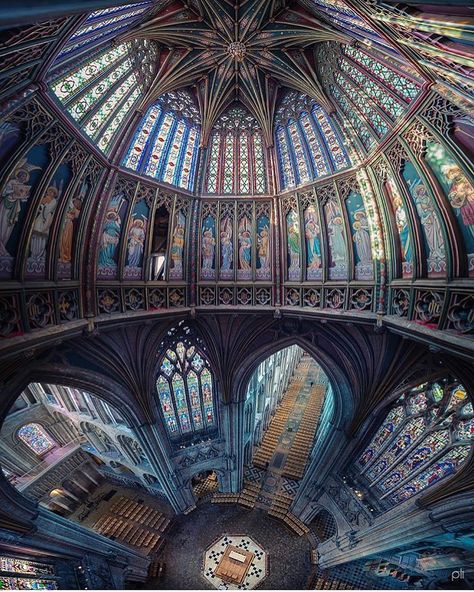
(236, 162)
(101, 92)
(371, 90)
(166, 143)
(99, 28)
(309, 143)
(425, 437)
(35, 437)
(186, 391)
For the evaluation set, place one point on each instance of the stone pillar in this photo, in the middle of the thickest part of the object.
(79, 484)
(154, 445)
(232, 427)
(323, 461)
(86, 471)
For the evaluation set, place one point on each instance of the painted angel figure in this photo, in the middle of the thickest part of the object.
(15, 192)
(43, 221)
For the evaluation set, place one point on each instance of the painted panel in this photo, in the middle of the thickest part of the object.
(110, 239)
(227, 248)
(49, 201)
(360, 237)
(136, 237)
(338, 267)
(263, 248)
(14, 198)
(314, 268)
(244, 271)
(404, 233)
(208, 248)
(177, 246)
(293, 246)
(433, 238)
(459, 191)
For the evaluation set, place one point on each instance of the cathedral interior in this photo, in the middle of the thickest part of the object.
(236, 294)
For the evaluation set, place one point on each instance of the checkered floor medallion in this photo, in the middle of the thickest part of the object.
(258, 568)
(253, 474)
(289, 486)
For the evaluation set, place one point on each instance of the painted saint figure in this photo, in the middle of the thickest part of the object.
(362, 237)
(74, 210)
(245, 249)
(208, 249)
(110, 239)
(43, 221)
(177, 248)
(263, 248)
(294, 248)
(313, 246)
(136, 242)
(15, 192)
(226, 245)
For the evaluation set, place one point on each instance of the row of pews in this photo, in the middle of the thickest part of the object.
(300, 450)
(135, 524)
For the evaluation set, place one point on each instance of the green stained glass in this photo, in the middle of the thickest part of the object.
(301, 164)
(228, 185)
(359, 126)
(401, 85)
(213, 164)
(185, 178)
(94, 125)
(81, 105)
(173, 154)
(105, 140)
(244, 164)
(382, 98)
(159, 145)
(259, 164)
(362, 102)
(76, 80)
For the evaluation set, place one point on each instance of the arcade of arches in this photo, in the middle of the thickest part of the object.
(236, 294)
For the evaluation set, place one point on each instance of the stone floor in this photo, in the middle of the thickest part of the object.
(288, 555)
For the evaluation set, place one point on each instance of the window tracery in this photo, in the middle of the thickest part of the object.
(166, 143)
(371, 91)
(98, 28)
(36, 438)
(102, 92)
(425, 437)
(186, 391)
(309, 144)
(236, 162)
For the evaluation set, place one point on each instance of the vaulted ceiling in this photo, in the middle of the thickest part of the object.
(236, 50)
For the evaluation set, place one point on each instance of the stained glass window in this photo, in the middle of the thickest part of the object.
(7, 583)
(22, 566)
(236, 162)
(101, 93)
(425, 438)
(33, 435)
(99, 27)
(166, 142)
(185, 391)
(309, 143)
(370, 91)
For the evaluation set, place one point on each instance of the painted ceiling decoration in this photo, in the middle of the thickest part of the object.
(221, 153)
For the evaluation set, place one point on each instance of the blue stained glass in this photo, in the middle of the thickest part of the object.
(316, 151)
(141, 140)
(409, 454)
(286, 168)
(33, 435)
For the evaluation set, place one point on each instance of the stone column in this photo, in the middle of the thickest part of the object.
(154, 445)
(232, 427)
